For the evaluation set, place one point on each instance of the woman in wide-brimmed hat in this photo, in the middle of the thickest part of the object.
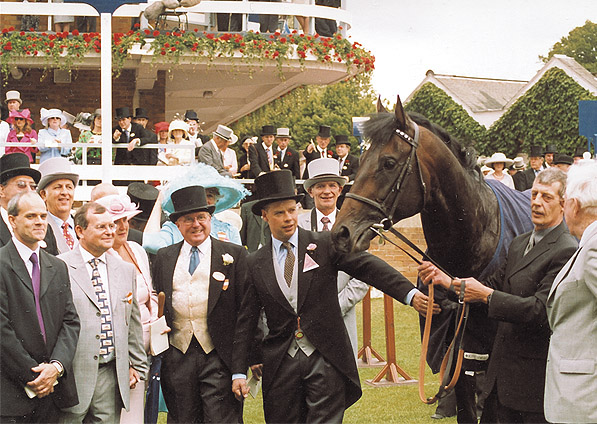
(51, 137)
(178, 133)
(21, 133)
(499, 162)
(222, 192)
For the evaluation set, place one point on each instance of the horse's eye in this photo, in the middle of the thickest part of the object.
(389, 164)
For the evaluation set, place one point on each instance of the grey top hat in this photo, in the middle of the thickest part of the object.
(56, 169)
(324, 169)
(15, 164)
(283, 133)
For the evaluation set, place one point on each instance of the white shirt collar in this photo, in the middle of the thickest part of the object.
(24, 251)
(204, 248)
(277, 244)
(59, 221)
(320, 215)
(87, 256)
(267, 148)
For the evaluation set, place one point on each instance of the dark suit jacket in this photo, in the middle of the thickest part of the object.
(258, 158)
(318, 308)
(524, 180)
(350, 168)
(50, 240)
(315, 154)
(290, 161)
(255, 230)
(519, 356)
(137, 156)
(242, 161)
(21, 343)
(223, 303)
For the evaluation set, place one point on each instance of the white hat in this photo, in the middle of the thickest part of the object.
(51, 113)
(499, 157)
(13, 95)
(226, 133)
(324, 169)
(283, 133)
(56, 169)
(178, 124)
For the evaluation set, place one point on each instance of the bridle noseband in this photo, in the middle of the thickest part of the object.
(389, 205)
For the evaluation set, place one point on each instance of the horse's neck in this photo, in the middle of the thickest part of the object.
(461, 223)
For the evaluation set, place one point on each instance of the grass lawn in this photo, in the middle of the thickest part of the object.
(394, 404)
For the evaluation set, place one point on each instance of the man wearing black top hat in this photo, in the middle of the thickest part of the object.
(261, 154)
(524, 180)
(349, 164)
(17, 176)
(321, 150)
(133, 135)
(191, 118)
(141, 117)
(549, 155)
(309, 370)
(204, 281)
(286, 157)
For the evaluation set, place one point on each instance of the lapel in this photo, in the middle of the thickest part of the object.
(216, 265)
(80, 275)
(47, 272)
(18, 266)
(168, 272)
(58, 236)
(313, 220)
(117, 294)
(539, 249)
(264, 265)
(5, 235)
(304, 278)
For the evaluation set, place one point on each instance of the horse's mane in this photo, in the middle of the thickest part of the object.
(381, 126)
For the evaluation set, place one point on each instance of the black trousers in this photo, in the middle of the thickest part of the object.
(45, 412)
(495, 412)
(306, 389)
(198, 387)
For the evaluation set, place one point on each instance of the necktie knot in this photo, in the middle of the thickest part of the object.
(194, 261)
(34, 259)
(325, 221)
(530, 245)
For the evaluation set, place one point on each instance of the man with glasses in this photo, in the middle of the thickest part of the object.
(203, 279)
(110, 357)
(17, 176)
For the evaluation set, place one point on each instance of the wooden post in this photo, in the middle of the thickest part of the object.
(388, 376)
(367, 356)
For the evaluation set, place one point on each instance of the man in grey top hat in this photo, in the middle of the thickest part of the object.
(57, 189)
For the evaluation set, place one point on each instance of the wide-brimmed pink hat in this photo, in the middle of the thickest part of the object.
(25, 114)
(119, 206)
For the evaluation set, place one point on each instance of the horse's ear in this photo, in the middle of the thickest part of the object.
(380, 107)
(401, 115)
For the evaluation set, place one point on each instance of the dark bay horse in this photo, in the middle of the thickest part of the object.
(459, 211)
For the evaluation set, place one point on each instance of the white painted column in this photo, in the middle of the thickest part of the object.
(106, 97)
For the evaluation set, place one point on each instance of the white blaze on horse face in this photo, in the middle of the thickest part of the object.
(547, 207)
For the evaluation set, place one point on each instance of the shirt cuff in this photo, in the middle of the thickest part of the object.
(235, 376)
(409, 296)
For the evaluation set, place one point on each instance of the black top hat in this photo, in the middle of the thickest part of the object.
(191, 115)
(141, 113)
(268, 130)
(15, 164)
(341, 139)
(563, 159)
(144, 195)
(579, 151)
(536, 152)
(188, 200)
(551, 148)
(324, 131)
(272, 187)
(123, 112)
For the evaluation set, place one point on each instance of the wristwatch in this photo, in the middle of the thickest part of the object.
(59, 367)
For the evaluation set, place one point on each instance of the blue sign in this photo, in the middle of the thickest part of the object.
(587, 121)
(105, 6)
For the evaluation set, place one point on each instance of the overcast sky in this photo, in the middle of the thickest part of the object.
(477, 38)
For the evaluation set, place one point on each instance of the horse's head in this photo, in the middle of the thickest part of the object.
(389, 175)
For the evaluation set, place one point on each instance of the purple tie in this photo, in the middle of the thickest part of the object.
(36, 287)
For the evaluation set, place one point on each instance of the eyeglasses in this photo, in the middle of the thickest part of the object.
(191, 219)
(24, 184)
(105, 227)
(19, 119)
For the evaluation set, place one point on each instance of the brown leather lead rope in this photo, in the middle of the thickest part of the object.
(458, 335)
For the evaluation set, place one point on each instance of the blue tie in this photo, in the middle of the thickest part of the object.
(194, 262)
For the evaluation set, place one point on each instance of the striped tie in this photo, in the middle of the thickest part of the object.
(289, 263)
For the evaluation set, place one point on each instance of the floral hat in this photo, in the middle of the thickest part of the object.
(119, 206)
(231, 191)
(25, 114)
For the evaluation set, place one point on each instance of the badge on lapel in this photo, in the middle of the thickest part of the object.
(129, 298)
(310, 263)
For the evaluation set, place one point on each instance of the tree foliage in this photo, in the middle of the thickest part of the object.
(580, 44)
(546, 114)
(305, 108)
(441, 109)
